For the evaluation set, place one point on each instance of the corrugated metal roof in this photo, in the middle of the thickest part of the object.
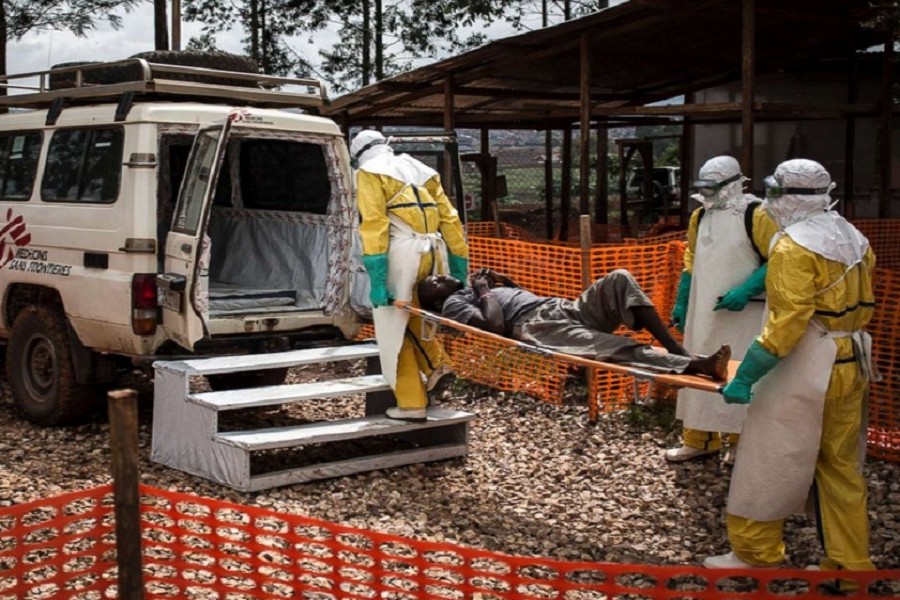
(641, 51)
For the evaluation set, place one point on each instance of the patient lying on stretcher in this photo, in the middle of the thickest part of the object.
(583, 327)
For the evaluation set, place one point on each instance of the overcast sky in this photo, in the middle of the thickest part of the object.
(41, 50)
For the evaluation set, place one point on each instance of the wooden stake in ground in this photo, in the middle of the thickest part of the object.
(123, 433)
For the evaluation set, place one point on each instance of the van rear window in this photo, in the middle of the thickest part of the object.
(284, 175)
(83, 165)
(19, 153)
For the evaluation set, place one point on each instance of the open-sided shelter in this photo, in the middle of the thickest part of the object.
(617, 66)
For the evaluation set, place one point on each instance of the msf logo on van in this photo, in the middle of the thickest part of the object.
(244, 116)
(15, 255)
(13, 235)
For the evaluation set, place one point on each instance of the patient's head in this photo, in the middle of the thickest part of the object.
(435, 289)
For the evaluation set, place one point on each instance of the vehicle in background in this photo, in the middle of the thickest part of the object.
(665, 193)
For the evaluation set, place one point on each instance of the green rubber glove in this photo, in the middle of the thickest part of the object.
(377, 267)
(459, 267)
(757, 362)
(679, 311)
(737, 298)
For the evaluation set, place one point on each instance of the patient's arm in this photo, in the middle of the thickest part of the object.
(489, 315)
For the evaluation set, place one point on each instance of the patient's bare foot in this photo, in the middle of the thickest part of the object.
(715, 365)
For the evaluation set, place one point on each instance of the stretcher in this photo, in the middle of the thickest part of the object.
(677, 380)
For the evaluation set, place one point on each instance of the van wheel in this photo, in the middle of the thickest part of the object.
(41, 372)
(250, 379)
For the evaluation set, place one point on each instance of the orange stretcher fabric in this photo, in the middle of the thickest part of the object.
(672, 379)
(195, 547)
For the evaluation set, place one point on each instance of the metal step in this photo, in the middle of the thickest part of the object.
(333, 431)
(286, 394)
(186, 432)
(254, 362)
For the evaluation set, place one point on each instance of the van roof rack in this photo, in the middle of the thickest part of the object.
(107, 81)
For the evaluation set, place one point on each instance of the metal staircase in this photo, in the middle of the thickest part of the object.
(187, 435)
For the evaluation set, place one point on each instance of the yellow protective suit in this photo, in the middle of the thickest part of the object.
(423, 207)
(727, 261)
(801, 286)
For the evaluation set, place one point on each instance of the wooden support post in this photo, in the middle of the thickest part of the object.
(587, 278)
(883, 151)
(601, 207)
(687, 164)
(584, 236)
(565, 197)
(123, 430)
(486, 178)
(748, 65)
(584, 145)
(548, 182)
(623, 206)
(176, 24)
(848, 208)
(449, 126)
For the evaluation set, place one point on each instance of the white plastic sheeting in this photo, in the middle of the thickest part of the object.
(271, 251)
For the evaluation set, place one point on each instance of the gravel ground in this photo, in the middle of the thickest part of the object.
(539, 480)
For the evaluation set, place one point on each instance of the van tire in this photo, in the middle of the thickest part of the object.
(250, 379)
(41, 372)
(222, 61)
(67, 80)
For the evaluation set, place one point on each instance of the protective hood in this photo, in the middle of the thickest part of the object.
(832, 236)
(366, 145)
(798, 191)
(717, 170)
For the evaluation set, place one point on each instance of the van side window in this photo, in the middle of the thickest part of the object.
(19, 153)
(284, 175)
(83, 165)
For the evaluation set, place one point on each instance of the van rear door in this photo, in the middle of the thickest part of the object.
(181, 286)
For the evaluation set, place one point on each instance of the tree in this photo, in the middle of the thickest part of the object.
(160, 28)
(18, 17)
(267, 26)
(377, 38)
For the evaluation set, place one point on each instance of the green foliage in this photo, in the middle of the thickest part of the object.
(76, 16)
(414, 28)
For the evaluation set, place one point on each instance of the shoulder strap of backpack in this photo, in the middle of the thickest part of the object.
(748, 226)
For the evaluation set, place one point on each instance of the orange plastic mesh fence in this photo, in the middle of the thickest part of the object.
(883, 236)
(884, 396)
(200, 548)
(62, 547)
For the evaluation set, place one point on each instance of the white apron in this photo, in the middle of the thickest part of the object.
(404, 255)
(776, 464)
(723, 259)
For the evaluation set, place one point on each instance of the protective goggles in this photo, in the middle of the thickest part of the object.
(708, 187)
(776, 190)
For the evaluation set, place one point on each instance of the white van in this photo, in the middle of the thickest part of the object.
(164, 215)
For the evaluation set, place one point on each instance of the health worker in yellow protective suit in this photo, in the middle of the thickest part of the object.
(409, 230)
(807, 375)
(720, 296)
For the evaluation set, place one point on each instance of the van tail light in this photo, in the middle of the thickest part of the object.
(144, 304)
